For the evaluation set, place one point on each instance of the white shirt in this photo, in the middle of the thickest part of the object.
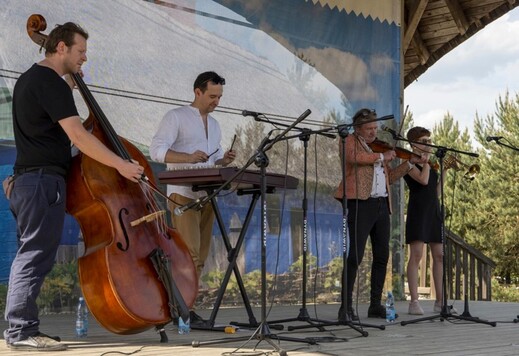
(379, 189)
(182, 130)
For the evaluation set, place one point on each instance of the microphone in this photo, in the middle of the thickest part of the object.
(251, 113)
(383, 118)
(494, 138)
(390, 130)
(182, 209)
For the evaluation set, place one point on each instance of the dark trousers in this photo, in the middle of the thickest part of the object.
(38, 205)
(368, 218)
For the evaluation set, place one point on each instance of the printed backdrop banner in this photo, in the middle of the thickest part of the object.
(354, 44)
(279, 57)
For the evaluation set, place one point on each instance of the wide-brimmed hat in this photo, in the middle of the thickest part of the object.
(364, 115)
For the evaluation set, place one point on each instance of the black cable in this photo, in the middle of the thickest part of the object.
(282, 208)
(123, 353)
(356, 228)
(128, 94)
(315, 229)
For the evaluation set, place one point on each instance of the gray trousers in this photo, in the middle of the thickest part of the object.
(38, 205)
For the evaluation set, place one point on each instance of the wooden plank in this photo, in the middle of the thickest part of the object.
(420, 48)
(472, 277)
(480, 280)
(457, 261)
(458, 15)
(429, 33)
(434, 20)
(425, 338)
(414, 16)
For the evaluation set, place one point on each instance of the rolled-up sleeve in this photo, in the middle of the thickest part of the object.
(164, 138)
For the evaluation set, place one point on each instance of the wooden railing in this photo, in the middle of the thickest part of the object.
(468, 271)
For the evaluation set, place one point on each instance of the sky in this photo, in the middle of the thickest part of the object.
(470, 78)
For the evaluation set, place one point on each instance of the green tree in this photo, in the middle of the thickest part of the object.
(459, 193)
(493, 225)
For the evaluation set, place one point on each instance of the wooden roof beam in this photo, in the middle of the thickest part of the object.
(413, 19)
(458, 15)
(420, 48)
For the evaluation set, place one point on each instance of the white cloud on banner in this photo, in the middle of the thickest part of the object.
(352, 79)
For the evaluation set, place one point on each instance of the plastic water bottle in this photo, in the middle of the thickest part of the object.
(82, 318)
(390, 308)
(183, 326)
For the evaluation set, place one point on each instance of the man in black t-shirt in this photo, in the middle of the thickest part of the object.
(45, 122)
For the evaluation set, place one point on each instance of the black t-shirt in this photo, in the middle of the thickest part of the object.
(40, 99)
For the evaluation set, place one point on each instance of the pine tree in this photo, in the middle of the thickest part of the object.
(493, 227)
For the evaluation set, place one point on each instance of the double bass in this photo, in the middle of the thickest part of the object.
(124, 232)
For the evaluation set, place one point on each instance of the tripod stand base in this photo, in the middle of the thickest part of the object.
(344, 320)
(250, 325)
(446, 316)
(302, 316)
(263, 335)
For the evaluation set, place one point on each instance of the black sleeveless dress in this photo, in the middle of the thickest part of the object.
(423, 222)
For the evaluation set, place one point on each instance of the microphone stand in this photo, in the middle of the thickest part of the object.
(304, 137)
(303, 311)
(263, 332)
(445, 313)
(507, 146)
(516, 320)
(344, 318)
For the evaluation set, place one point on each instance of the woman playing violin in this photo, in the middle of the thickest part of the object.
(423, 224)
(368, 177)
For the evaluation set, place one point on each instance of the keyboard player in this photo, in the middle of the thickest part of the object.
(187, 137)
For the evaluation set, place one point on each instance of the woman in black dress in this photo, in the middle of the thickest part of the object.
(423, 223)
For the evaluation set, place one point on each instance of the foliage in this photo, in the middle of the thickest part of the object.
(3, 298)
(504, 292)
(332, 280)
(58, 291)
(297, 266)
(214, 280)
(252, 283)
(494, 222)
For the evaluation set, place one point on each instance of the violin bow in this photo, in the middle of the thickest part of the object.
(401, 125)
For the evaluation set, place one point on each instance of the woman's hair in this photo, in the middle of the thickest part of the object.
(416, 132)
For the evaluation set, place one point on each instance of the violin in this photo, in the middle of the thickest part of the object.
(434, 165)
(380, 146)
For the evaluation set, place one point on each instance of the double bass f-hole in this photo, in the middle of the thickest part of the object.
(155, 215)
(125, 233)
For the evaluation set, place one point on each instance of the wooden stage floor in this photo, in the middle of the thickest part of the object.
(433, 337)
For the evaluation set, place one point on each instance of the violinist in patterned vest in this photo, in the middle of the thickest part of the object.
(368, 177)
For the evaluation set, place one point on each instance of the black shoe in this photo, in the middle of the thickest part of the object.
(38, 342)
(350, 315)
(377, 311)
